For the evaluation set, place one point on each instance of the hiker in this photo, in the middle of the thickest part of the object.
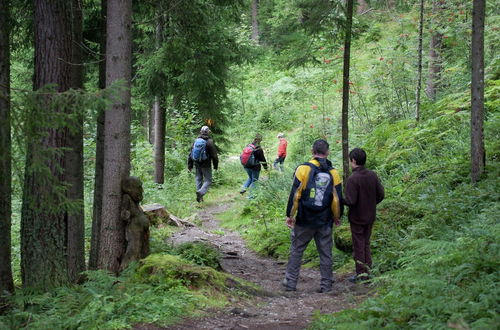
(281, 152)
(251, 159)
(315, 198)
(363, 191)
(203, 154)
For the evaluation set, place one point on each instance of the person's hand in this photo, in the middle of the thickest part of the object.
(337, 222)
(290, 222)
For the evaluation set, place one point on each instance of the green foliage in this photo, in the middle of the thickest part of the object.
(436, 248)
(201, 254)
(103, 301)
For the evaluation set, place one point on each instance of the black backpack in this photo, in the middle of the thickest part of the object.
(315, 203)
(318, 193)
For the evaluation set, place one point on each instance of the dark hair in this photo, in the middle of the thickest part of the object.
(320, 147)
(359, 155)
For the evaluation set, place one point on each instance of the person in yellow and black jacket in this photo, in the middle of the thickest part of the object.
(314, 204)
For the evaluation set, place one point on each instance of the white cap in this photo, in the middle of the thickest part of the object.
(280, 135)
(205, 129)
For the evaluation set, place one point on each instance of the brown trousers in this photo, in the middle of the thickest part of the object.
(361, 246)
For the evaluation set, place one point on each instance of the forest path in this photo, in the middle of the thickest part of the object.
(276, 309)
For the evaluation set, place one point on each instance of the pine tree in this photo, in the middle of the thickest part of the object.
(116, 133)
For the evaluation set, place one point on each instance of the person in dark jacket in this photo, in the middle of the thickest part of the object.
(253, 172)
(203, 167)
(363, 191)
(313, 221)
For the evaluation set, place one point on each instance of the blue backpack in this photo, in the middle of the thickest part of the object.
(199, 151)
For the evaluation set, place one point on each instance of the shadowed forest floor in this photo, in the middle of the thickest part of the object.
(273, 308)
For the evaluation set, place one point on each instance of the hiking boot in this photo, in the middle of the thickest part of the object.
(324, 290)
(242, 191)
(358, 278)
(284, 283)
(199, 197)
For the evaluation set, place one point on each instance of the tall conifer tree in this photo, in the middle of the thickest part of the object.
(44, 222)
(116, 133)
(6, 283)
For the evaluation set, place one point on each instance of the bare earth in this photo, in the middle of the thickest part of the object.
(276, 309)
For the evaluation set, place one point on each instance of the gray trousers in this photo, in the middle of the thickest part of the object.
(203, 179)
(300, 237)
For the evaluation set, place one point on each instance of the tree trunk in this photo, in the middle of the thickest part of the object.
(477, 91)
(151, 123)
(6, 282)
(160, 116)
(159, 141)
(435, 65)
(99, 151)
(116, 133)
(419, 63)
(255, 21)
(362, 7)
(74, 157)
(345, 90)
(43, 221)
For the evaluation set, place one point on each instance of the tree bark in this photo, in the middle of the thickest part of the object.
(345, 90)
(151, 123)
(477, 91)
(435, 64)
(74, 157)
(419, 62)
(6, 282)
(99, 151)
(255, 21)
(116, 133)
(43, 221)
(160, 115)
(362, 7)
(159, 141)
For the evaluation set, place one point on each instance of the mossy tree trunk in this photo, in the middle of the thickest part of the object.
(159, 112)
(43, 219)
(477, 91)
(435, 48)
(345, 89)
(6, 283)
(99, 150)
(255, 21)
(419, 61)
(116, 133)
(74, 157)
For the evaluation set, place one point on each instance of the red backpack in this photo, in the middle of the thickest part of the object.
(247, 157)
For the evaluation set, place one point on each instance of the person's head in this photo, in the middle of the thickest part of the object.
(320, 148)
(205, 130)
(258, 138)
(357, 157)
(280, 135)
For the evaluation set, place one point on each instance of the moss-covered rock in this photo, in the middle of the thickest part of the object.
(342, 238)
(174, 271)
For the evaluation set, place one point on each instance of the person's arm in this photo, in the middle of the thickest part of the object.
(380, 191)
(259, 155)
(212, 151)
(351, 193)
(292, 206)
(338, 189)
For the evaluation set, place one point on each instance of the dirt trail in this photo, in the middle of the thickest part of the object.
(277, 309)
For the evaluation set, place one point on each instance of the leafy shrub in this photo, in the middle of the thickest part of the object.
(102, 302)
(200, 253)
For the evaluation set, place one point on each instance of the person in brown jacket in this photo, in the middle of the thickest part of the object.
(363, 191)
